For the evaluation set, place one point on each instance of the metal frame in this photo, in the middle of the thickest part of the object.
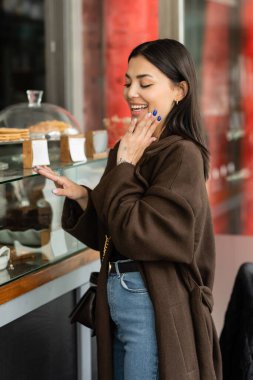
(64, 55)
(171, 19)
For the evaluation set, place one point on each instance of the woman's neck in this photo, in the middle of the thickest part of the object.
(159, 130)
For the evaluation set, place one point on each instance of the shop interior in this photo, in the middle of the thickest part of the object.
(68, 51)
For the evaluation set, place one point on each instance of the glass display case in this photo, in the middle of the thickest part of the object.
(31, 236)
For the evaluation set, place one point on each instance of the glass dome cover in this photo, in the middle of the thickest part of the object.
(40, 118)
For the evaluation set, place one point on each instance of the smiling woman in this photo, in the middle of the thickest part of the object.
(154, 294)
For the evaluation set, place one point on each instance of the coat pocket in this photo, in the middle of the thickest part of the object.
(183, 326)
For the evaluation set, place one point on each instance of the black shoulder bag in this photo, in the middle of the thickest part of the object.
(84, 311)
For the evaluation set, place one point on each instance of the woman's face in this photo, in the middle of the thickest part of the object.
(147, 89)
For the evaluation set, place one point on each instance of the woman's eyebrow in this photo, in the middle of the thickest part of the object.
(139, 76)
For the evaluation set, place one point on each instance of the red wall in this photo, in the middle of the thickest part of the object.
(126, 24)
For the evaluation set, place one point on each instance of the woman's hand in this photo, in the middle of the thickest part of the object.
(138, 137)
(64, 186)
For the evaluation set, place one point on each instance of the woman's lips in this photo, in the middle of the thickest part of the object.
(139, 112)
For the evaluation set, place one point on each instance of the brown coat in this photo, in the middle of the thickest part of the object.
(158, 214)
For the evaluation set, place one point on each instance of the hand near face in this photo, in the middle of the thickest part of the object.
(138, 137)
(64, 186)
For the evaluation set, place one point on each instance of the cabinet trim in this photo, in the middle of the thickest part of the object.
(46, 274)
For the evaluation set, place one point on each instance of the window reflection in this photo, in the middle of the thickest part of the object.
(22, 46)
(220, 35)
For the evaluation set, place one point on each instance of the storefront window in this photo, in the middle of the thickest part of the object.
(22, 44)
(220, 35)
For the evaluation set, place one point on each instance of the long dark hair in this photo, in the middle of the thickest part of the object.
(173, 59)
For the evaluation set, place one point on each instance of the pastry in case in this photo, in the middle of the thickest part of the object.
(14, 134)
(50, 126)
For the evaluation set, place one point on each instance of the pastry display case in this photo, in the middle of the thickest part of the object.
(31, 236)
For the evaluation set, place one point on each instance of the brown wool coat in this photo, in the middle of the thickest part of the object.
(158, 214)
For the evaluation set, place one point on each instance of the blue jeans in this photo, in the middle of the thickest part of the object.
(135, 347)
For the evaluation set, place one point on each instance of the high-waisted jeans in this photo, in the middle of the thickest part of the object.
(135, 347)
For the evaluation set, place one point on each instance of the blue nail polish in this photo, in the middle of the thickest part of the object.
(159, 118)
(154, 112)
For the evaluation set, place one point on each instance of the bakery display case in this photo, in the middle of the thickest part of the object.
(31, 236)
(43, 269)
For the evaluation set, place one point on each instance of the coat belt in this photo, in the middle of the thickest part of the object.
(205, 294)
(200, 296)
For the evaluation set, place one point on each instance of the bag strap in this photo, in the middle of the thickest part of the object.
(106, 246)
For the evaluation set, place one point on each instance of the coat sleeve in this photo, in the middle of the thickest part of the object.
(157, 223)
(83, 224)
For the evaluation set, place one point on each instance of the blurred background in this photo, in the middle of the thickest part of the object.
(76, 52)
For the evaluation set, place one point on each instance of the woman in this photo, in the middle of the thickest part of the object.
(154, 299)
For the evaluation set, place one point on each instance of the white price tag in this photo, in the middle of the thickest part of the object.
(40, 153)
(76, 148)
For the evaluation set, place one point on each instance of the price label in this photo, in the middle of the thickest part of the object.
(76, 149)
(40, 153)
